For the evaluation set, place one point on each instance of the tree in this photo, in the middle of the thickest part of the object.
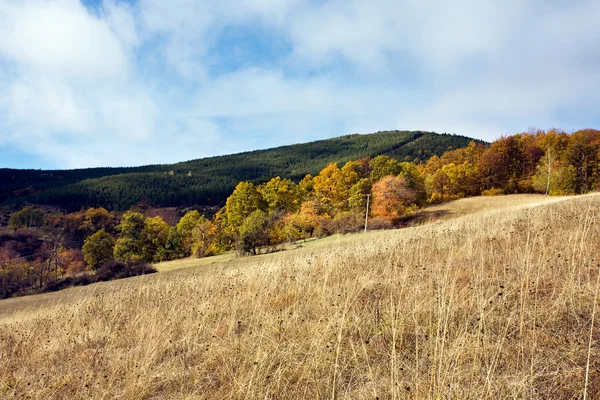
(129, 245)
(98, 248)
(173, 248)
(382, 166)
(73, 261)
(329, 188)
(555, 179)
(280, 195)
(415, 181)
(27, 217)
(391, 198)
(357, 200)
(224, 233)
(583, 154)
(154, 237)
(202, 238)
(254, 231)
(502, 165)
(306, 188)
(437, 185)
(186, 226)
(95, 219)
(244, 200)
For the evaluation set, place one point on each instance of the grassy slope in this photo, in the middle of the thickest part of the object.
(495, 304)
(212, 179)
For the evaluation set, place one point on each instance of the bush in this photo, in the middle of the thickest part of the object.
(117, 270)
(60, 284)
(344, 222)
(377, 223)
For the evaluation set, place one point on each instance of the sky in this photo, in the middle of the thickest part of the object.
(121, 83)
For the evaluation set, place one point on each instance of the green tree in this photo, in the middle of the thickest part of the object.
(98, 248)
(254, 231)
(153, 238)
(129, 245)
(382, 166)
(173, 248)
(27, 217)
(357, 200)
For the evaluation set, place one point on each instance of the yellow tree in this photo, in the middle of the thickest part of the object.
(203, 234)
(244, 200)
(280, 195)
(329, 188)
(185, 227)
(306, 188)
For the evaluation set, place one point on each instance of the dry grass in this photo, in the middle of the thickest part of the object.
(473, 205)
(495, 305)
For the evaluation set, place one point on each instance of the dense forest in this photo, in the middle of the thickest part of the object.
(208, 181)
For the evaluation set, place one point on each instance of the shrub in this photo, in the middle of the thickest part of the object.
(377, 223)
(117, 270)
(60, 284)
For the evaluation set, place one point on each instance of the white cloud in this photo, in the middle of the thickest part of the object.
(136, 83)
(59, 37)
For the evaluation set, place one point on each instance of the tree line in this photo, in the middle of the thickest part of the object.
(263, 217)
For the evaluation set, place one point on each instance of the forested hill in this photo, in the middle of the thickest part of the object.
(209, 181)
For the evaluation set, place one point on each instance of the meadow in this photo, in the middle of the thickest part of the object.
(488, 298)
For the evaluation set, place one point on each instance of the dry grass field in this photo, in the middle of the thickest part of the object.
(491, 302)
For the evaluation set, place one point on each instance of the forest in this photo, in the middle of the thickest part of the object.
(45, 248)
(208, 181)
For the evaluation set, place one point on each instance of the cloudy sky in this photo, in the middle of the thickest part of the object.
(114, 82)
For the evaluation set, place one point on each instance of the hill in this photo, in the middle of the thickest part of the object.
(496, 304)
(209, 181)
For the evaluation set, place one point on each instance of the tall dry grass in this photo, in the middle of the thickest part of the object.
(493, 306)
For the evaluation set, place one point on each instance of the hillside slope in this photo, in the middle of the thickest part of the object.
(209, 181)
(494, 305)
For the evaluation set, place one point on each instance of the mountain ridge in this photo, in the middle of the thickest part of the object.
(208, 181)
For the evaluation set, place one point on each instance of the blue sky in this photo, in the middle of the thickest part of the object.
(114, 83)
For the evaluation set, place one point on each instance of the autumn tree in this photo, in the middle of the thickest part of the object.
(306, 188)
(225, 234)
(254, 231)
(203, 235)
(244, 200)
(280, 195)
(185, 227)
(392, 198)
(555, 178)
(583, 153)
(95, 219)
(502, 164)
(98, 248)
(330, 189)
(72, 261)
